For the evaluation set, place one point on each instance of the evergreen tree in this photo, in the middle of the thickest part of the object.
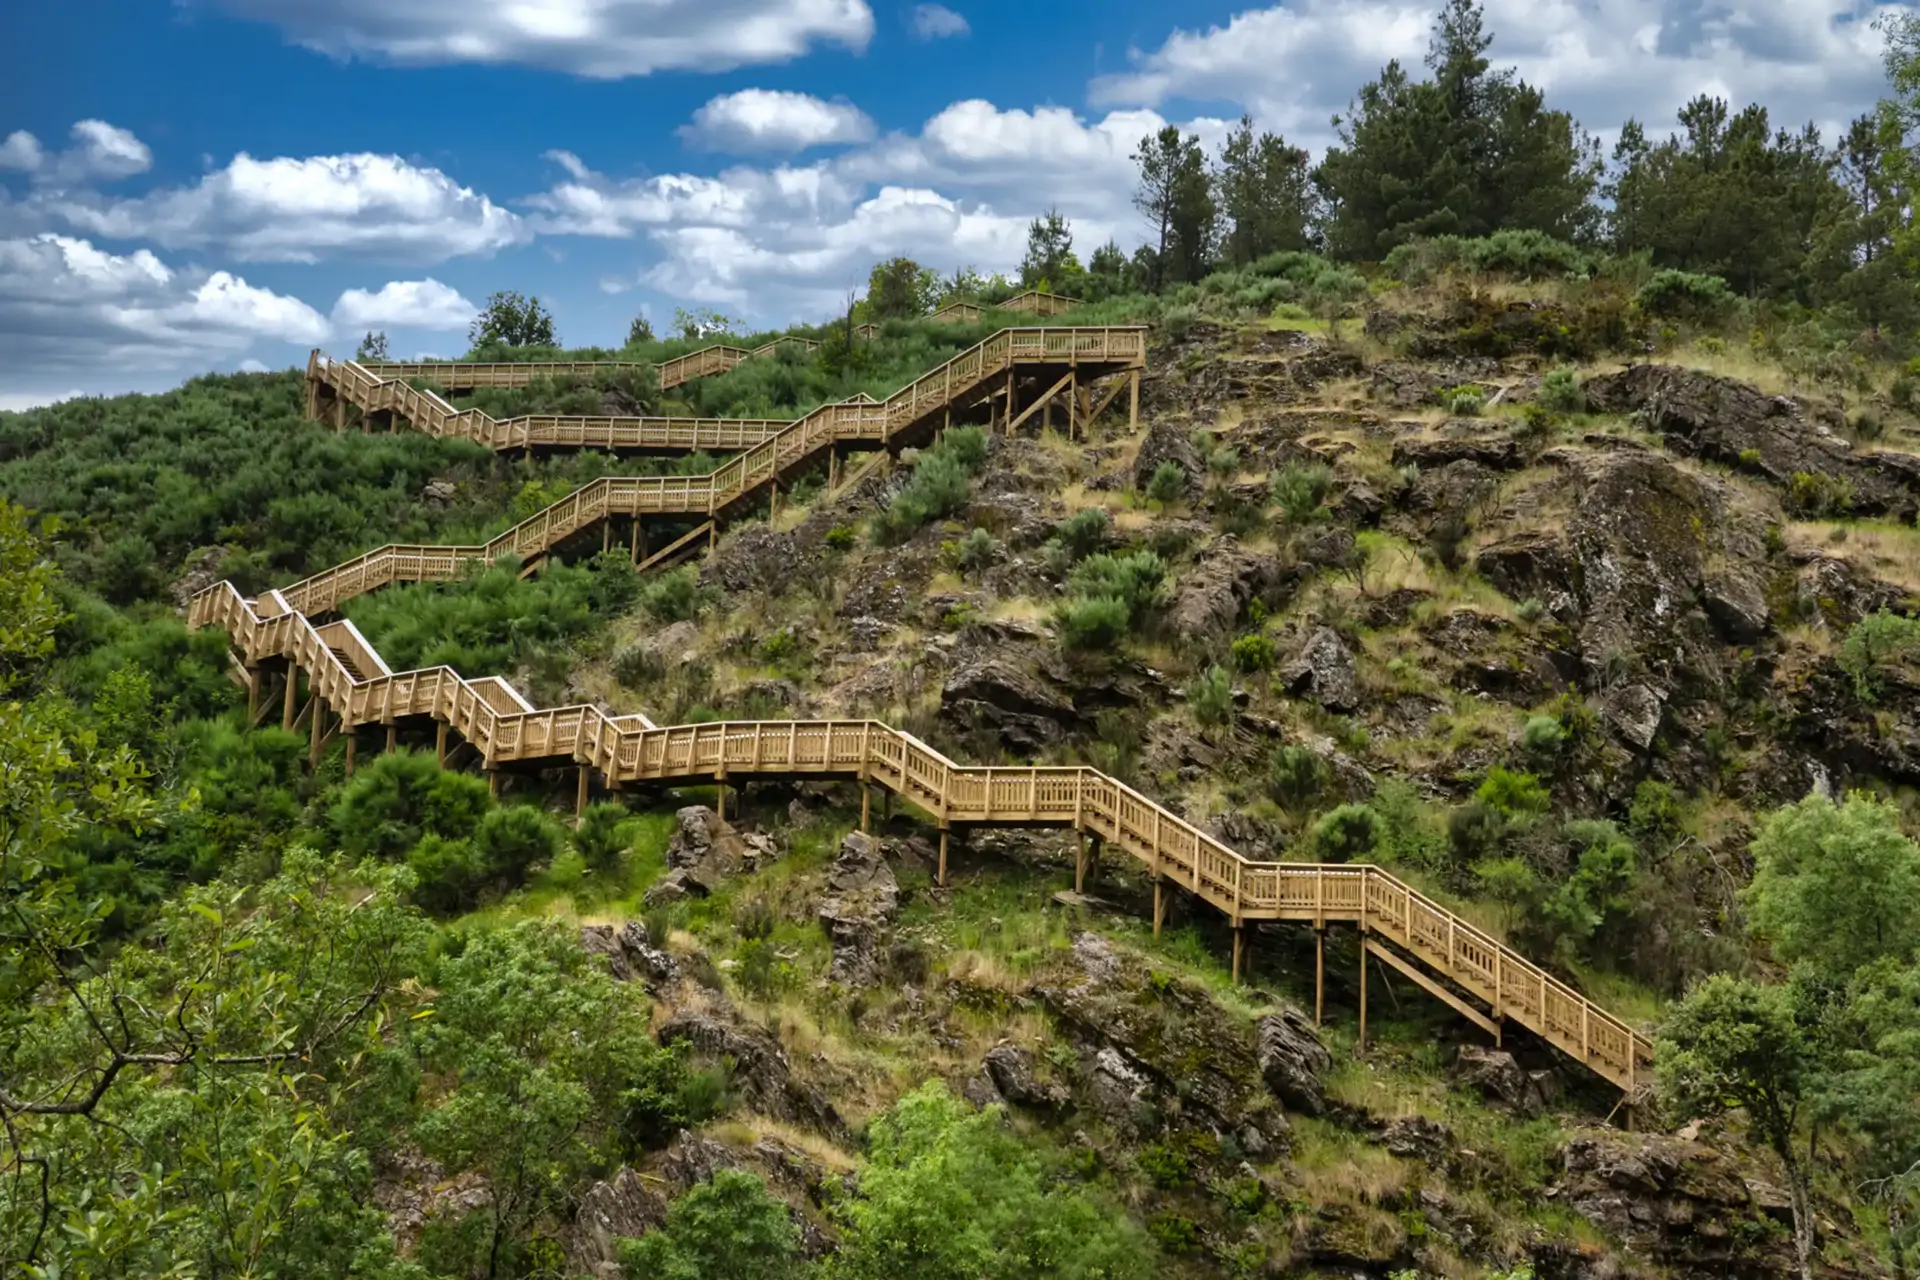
(1175, 194)
(1265, 195)
(1050, 261)
(641, 330)
(372, 347)
(1470, 152)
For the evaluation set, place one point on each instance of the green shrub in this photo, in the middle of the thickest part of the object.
(942, 478)
(1168, 483)
(1295, 776)
(1542, 736)
(1083, 533)
(1352, 831)
(636, 665)
(1092, 622)
(673, 596)
(731, 1227)
(1529, 610)
(1300, 490)
(511, 839)
(1872, 644)
(1211, 696)
(600, 837)
(1464, 402)
(977, 551)
(1905, 390)
(1560, 391)
(1815, 493)
(1684, 295)
(1512, 791)
(399, 796)
(841, 537)
(1251, 653)
(1138, 579)
(448, 875)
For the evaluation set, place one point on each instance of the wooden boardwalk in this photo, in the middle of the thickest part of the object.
(348, 686)
(999, 374)
(385, 398)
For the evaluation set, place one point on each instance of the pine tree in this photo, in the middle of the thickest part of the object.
(1264, 193)
(1050, 262)
(1175, 194)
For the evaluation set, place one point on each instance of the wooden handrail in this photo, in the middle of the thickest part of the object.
(505, 728)
(861, 420)
(721, 357)
(374, 390)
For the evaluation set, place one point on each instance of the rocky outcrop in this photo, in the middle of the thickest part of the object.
(1157, 1052)
(1497, 453)
(203, 569)
(1292, 1060)
(1498, 1076)
(1224, 580)
(629, 955)
(1685, 1206)
(1167, 441)
(1741, 426)
(1010, 697)
(761, 1073)
(1015, 1078)
(1323, 670)
(862, 897)
(702, 852)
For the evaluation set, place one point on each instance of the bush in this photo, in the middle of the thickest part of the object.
(599, 837)
(1542, 736)
(1092, 622)
(731, 1227)
(1560, 391)
(1295, 776)
(673, 596)
(942, 478)
(1251, 653)
(1684, 295)
(1138, 579)
(1873, 643)
(1464, 402)
(1084, 532)
(1511, 791)
(1815, 493)
(1299, 490)
(448, 875)
(1346, 833)
(1168, 483)
(512, 839)
(841, 537)
(977, 551)
(1528, 255)
(1530, 610)
(1211, 696)
(399, 796)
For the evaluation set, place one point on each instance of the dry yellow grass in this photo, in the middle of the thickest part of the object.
(1890, 552)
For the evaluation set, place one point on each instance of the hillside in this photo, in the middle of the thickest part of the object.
(1578, 604)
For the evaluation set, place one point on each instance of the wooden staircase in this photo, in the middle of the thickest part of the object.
(988, 369)
(1398, 924)
(386, 397)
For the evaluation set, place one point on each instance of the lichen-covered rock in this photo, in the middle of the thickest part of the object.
(1684, 1206)
(762, 1074)
(1293, 1061)
(1497, 453)
(1009, 696)
(1167, 441)
(1498, 1075)
(1224, 580)
(862, 897)
(1323, 670)
(629, 954)
(1016, 1078)
(702, 852)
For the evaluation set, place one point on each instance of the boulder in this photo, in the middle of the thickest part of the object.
(1224, 580)
(1001, 692)
(202, 569)
(704, 849)
(1498, 1075)
(862, 897)
(626, 1204)
(1013, 1072)
(1292, 1060)
(629, 954)
(1167, 441)
(762, 1074)
(1497, 453)
(1322, 670)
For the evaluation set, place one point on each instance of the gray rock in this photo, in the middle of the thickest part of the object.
(625, 1205)
(1292, 1060)
(1322, 670)
(706, 848)
(762, 1074)
(1498, 1075)
(1012, 1070)
(1224, 580)
(862, 898)
(1167, 442)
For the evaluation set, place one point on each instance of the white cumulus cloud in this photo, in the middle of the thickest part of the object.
(21, 150)
(403, 304)
(774, 120)
(603, 39)
(290, 209)
(100, 151)
(936, 21)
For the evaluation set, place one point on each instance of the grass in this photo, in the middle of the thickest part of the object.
(1890, 552)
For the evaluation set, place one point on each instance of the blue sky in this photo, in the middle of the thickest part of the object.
(216, 184)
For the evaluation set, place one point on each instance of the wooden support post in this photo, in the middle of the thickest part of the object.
(720, 798)
(833, 467)
(291, 692)
(1046, 419)
(318, 713)
(1239, 935)
(1080, 864)
(393, 736)
(493, 782)
(580, 795)
(1319, 973)
(886, 806)
(606, 535)
(1159, 904)
(866, 804)
(1363, 995)
(713, 534)
(1133, 401)
(353, 742)
(1073, 399)
(1013, 399)
(253, 691)
(440, 742)
(633, 541)
(941, 877)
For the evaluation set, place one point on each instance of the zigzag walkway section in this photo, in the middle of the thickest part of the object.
(1457, 962)
(349, 685)
(1010, 375)
(466, 375)
(384, 398)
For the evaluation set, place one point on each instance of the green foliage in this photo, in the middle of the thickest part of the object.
(1296, 776)
(1560, 391)
(1168, 483)
(1543, 736)
(1210, 696)
(1299, 490)
(950, 1194)
(842, 537)
(1092, 622)
(1524, 255)
(1464, 402)
(673, 596)
(977, 551)
(1598, 885)
(1083, 533)
(1816, 493)
(1510, 791)
(1836, 886)
(941, 480)
(448, 874)
(399, 796)
(1684, 295)
(510, 320)
(1109, 596)
(730, 1228)
(1251, 653)
(1346, 834)
(1874, 643)
(492, 620)
(513, 838)
(603, 835)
